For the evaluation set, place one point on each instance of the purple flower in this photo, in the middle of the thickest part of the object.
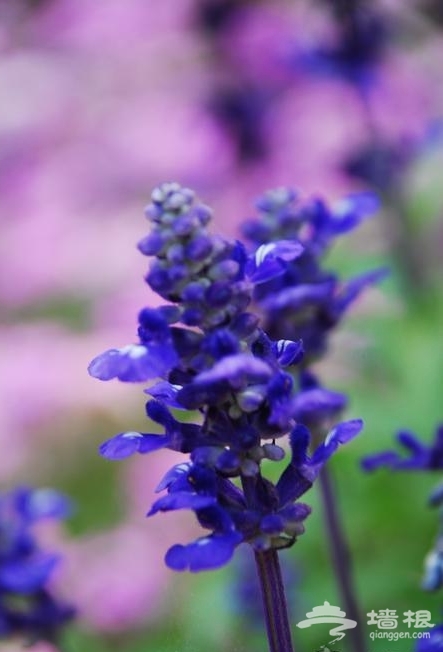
(238, 370)
(417, 456)
(27, 607)
(133, 363)
(269, 260)
(305, 302)
(205, 553)
(316, 404)
(299, 476)
(212, 357)
(178, 436)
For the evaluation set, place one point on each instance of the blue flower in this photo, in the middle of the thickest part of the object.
(299, 476)
(178, 436)
(133, 363)
(206, 553)
(418, 456)
(268, 517)
(305, 302)
(269, 260)
(27, 608)
(210, 356)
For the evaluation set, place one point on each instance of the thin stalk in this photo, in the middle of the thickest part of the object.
(274, 601)
(271, 585)
(341, 559)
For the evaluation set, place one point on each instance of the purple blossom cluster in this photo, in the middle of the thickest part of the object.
(28, 610)
(308, 301)
(213, 358)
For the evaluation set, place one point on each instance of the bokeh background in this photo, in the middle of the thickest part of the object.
(100, 101)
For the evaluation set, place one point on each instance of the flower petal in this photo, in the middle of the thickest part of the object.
(316, 404)
(288, 352)
(133, 363)
(209, 552)
(341, 434)
(235, 368)
(128, 443)
(269, 260)
(165, 393)
(299, 296)
(181, 500)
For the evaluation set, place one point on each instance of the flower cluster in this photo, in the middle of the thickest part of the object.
(210, 355)
(27, 608)
(307, 301)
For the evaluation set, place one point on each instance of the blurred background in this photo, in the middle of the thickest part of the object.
(99, 103)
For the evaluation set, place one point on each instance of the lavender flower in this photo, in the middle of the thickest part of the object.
(307, 301)
(418, 456)
(27, 607)
(211, 355)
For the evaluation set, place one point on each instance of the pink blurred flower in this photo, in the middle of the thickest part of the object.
(47, 384)
(117, 578)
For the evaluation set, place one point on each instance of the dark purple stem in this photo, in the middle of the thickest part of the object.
(271, 584)
(341, 559)
(274, 601)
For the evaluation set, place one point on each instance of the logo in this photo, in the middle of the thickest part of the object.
(386, 620)
(327, 613)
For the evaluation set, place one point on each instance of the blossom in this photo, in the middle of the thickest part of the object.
(306, 301)
(417, 456)
(27, 607)
(271, 519)
(219, 362)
